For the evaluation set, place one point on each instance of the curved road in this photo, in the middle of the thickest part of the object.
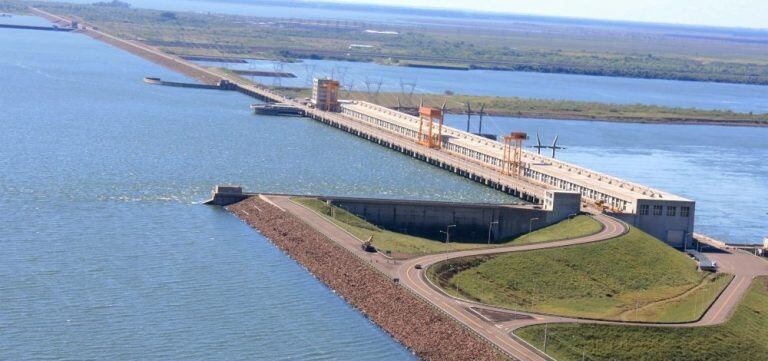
(410, 277)
(497, 333)
(745, 267)
(496, 324)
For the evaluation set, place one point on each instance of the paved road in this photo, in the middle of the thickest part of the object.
(498, 333)
(474, 315)
(412, 278)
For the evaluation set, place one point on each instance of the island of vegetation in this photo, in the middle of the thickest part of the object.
(555, 109)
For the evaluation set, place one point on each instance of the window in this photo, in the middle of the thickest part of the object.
(644, 210)
(685, 211)
(671, 211)
(657, 210)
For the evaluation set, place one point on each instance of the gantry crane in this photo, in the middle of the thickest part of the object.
(513, 153)
(427, 118)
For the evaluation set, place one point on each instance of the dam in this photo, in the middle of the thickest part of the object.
(472, 221)
(498, 165)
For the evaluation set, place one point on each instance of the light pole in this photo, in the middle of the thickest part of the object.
(447, 238)
(489, 231)
(530, 224)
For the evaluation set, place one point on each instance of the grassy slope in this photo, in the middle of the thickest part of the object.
(382, 239)
(404, 244)
(579, 226)
(600, 280)
(743, 337)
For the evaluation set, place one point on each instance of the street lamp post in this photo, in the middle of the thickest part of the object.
(530, 224)
(489, 231)
(447, 238)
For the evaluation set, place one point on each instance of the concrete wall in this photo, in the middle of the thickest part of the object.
(672, 226)
(472, 221)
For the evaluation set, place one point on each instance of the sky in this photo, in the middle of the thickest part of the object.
(728, 13)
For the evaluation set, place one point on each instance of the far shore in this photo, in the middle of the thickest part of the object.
(555, 109)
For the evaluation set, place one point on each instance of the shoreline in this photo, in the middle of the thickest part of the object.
(735, 123)
(456, 107)
(408, 319)
(169, 61)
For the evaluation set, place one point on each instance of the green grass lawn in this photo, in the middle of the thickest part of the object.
(579, 226)
(404, 245)
(606, 280)
(743, 337)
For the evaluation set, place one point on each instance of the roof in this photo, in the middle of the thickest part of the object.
(597, 181)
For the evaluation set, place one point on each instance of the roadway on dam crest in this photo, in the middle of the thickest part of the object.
(474, 315)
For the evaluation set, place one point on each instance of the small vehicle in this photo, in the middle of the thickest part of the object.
(418, 266)
(367, 246)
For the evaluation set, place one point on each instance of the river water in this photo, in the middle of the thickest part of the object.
(107, 253)
(722, 168)
(370, 77)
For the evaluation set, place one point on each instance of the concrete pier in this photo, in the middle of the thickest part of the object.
(32, 27)
(227, 195)
(221, 85)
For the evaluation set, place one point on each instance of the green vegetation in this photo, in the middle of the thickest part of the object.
(629, 52)
(398, 243)
(743, 337)
(558, 109)
(579, 226)
(632, 277)
(403, 245)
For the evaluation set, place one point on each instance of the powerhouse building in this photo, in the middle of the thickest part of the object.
(664, 215)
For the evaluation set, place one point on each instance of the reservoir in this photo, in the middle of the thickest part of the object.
(107, 252)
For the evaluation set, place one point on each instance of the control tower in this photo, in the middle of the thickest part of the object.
(325, 94)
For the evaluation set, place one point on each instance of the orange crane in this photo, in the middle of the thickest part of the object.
(427, 117)
(331, 96)
(513, 153)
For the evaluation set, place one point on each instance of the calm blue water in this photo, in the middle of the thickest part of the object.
(106, 252)
(24, 20)
(736, 97)
(722, 168)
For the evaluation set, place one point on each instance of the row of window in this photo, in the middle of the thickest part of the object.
(658, 210)
(380, 123)
(612, 201)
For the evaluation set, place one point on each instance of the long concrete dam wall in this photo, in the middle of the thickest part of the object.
(665, 216)
(470, 221)
(473, 222)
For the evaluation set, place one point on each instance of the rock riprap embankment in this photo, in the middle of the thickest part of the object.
(430, 334)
